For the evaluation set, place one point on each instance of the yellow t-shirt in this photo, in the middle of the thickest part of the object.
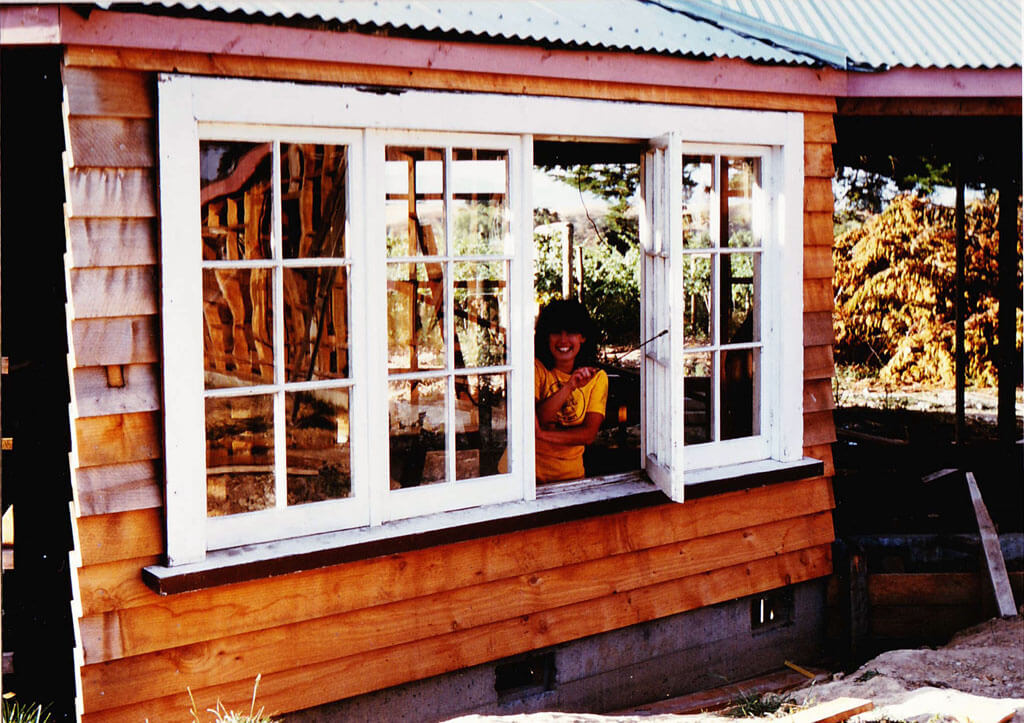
(560, 461)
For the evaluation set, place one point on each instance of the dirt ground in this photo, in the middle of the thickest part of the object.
(977, 678)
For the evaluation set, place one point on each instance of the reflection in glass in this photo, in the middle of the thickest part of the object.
(313, 200)
(236, 198)
(481, 424)
(318, 445)
(698, 408)
(414, 208)
(316, 331)
(740, 280)
(239, 454)
(698, 300)
(744, 181)
(416, 414)
(238, 327)
(480, 201)
(415, 317)
(741, 383)
(698, 196)
(481, 314)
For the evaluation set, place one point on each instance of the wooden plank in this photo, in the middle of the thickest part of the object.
(818, 161)
(832, 711)
(934, 623)
(93, 396)
(111, 242)
(110, 142)
(353, 73)
(993, 552)
(824, 453)
(127, 192)
(818, 229)
(819, 362)
(119, 487)
(818, 396)
(310, 685)
(818, 194)
(111, 291)
(819, 128)
(819, 428)
(140, 677)
(818, 329)
(931, 588)
(110, 586)
(818, 295)
(117, 438)
(119, 536)
(818, 262)
(123, 340)
(109, 92)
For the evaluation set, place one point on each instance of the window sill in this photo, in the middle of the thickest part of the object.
(554, 504)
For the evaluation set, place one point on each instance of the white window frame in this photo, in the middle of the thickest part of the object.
(191, 107)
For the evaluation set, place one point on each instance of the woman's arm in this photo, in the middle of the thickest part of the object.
(584, 433)
(547, 409)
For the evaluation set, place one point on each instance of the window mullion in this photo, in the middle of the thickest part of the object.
(449, 317)
(277, 319)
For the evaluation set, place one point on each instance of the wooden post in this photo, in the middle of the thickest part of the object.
(961, 253)
(579, 274)
(1007, 360)
(567, 262)
(995, 564)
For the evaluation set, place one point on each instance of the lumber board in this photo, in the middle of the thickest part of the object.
(995, 564)
(116, 438)
(118, 487)
(109, 142)
(121, 535)
(818, 161)
(121, 340)
(932, 588)
(314, 684)
(138, 678)
(353, 73)
(832, 711)
(819, 362)
(818, 229)
(93, 396)
(818, 329)
(819, 128)
(824, 453)
(339, 589)
(818, 263)
(818, 295)
(109, 92)
(111, 291)
(124, 192)
(818, 395)
(819, 428)
(818, 194)
(110, 586)
(935, 623)
(110, 242)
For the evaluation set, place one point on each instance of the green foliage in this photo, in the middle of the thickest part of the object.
(895, 293)
(751, 705)
(15, 712)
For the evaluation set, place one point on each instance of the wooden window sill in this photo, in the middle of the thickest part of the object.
(555, 504)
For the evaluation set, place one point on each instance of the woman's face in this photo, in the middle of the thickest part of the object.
(564, 346)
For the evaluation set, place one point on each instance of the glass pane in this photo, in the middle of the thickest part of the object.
(481, 314)
(744, 181)
(698, 195)
(316, 318)
(415, 317)
(480, 201)
(481, 425)
(740, 284)
(414, 212)
(741, 383)
(416, 412)
(698, 300)
(236, 197)
(238, 327)
(314, 212)
(318, 445)
(698, 409)
(239, 454)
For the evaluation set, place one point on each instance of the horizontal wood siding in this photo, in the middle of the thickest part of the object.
(325, 634)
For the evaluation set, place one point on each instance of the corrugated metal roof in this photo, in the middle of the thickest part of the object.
(888, 33)
(634, 25)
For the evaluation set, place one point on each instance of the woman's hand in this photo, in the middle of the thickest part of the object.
(581, 376)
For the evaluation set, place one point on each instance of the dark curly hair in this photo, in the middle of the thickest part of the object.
(565, 315)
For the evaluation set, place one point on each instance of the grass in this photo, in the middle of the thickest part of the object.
(222, 715)
(14, 712)
(750, 705)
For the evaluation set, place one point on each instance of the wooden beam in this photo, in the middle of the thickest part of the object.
(960, 302)
(112, 92)
(1008, 360)
(993, 552)
(930, 107)
(110, 242)
(119, 340)
(833, 711)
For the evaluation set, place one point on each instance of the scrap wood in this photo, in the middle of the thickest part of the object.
(833, 711)
(993, 552)
(854, 435)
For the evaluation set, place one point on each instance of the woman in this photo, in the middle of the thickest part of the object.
(570, 392)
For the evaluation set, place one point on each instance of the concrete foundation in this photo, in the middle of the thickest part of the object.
(659, 659)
